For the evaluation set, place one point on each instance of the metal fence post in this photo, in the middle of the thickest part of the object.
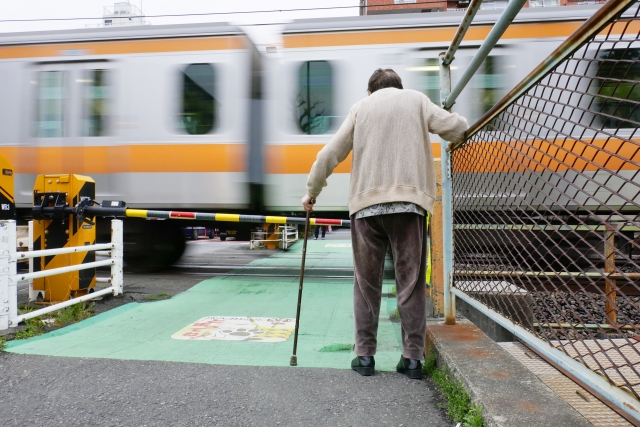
(116, 255)
(286, 244)
(32, 295)
(13, 273)
(4, 275)
(447, 210)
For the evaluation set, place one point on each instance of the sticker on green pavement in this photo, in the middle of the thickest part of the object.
(238, 328)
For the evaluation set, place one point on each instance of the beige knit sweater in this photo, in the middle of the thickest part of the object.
(392, 158)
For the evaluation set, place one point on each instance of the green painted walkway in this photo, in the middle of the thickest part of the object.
(144, 331)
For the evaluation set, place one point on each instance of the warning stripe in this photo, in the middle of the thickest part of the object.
(7, 195)
(261, 219)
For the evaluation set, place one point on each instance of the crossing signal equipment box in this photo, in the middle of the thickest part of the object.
(59, 229)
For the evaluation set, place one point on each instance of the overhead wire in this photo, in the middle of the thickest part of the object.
(244, 12)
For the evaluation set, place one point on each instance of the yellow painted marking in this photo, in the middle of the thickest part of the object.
(228, 217)
(136, 213)
(312, 221)
(276, 220)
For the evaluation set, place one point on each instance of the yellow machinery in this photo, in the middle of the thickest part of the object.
(7, 203)
(60, 229)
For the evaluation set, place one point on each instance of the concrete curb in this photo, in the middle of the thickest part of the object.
(509, 393)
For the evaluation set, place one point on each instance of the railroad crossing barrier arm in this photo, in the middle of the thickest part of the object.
(89, 208)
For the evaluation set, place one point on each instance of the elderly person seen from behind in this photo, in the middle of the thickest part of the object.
(393, 185)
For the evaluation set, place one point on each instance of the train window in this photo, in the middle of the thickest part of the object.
(95, 93)
(429, 80)
(617, 73)
(488, 83)
(314, 102)
(51, 104)
(199, 113)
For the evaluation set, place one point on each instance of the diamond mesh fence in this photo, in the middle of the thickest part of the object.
(546, 202)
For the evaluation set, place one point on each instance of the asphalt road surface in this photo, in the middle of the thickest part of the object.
(51, 391)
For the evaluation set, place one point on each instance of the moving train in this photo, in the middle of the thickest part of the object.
(209, 117)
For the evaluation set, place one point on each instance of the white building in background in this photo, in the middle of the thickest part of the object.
(122, 13)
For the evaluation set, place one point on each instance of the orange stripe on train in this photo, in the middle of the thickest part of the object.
(125, 47)
(128, 158)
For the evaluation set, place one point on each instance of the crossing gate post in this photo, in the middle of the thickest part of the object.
(4, 274)
(8, 269)
(117, 250)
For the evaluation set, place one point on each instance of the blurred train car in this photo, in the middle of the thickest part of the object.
(195, 117)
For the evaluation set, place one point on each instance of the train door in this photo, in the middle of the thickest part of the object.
(69, 118)
(311, 92)
(423, 75)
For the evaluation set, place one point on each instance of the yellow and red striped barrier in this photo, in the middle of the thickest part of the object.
(262, 219)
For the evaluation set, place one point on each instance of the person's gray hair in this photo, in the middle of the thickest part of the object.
(381, 79)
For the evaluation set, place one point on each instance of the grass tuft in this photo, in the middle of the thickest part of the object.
(36, 326)
(32, 328)
(394, 291)
(336, 348)
(3, 343)
(159, 297)
(395, 316)
(459, 405)
(73, 313)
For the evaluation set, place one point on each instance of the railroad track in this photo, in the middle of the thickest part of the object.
(338, 273)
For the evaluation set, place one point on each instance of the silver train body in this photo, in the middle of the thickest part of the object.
(204, 117)
(142, 153)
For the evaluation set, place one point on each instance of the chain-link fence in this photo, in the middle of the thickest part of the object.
(546, 202)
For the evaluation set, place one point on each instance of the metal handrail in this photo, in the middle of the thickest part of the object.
(594, 25)
(462, 30)
(501, 25)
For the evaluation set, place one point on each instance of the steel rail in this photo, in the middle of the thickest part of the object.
(268, 275)
(594, 25)
(484, 273)
(501, 25)
(623, 401)
(542, 227)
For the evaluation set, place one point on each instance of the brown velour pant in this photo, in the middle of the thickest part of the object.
(371, 236)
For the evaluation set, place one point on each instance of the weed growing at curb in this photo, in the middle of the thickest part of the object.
(3, 342)
(159, 297)
(459, 406)
(395, 316)
(36, 326)
(73, 313)
(394, 291)
(33, 328)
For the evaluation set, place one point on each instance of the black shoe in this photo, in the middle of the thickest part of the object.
(410, 367)
(363, 365)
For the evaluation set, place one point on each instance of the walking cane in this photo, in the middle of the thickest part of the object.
(294, 358)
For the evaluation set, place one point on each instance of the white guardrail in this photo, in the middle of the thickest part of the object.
(288, 235)
(9, 276)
